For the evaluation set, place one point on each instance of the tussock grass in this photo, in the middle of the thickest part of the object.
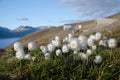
(64, 67)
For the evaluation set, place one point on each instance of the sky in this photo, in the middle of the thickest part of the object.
(15, 13)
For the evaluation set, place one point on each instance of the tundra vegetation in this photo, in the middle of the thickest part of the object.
(91, 57)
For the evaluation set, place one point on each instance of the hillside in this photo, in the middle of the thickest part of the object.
(57, 66)
(46, 35)
(116, 16)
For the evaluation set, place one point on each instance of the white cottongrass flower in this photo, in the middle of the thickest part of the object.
(105, 43)
(58, 52)
(31, 46)
(57, 38)
(20, 55)
(90, 42)
(47, 56)
(92, 37)
(64, 40)
(74, 44)
(65, 49)
(98, 59)
(82, 42)
(41, 47)
(53, 41)
(51, 47)
(89, 52)
(33, 58)
(83, 46)
(83, 56)
(101, 43)
(112, 43)
(98, 36)
(28, 57)
(75, 52)
(69, 45)
(57, 43)
(44, 49)
(82, 39)
(18, 46)
(94, 47)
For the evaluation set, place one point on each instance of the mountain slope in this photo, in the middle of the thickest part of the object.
(116, 16)
(46, 35)
(4, 29)
(4, 32)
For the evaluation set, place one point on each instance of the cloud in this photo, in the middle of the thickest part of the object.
(22, 19)
(91, 9)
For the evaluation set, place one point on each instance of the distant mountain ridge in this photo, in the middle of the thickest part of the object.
(18, 32)
(23, 28)
(4, 29)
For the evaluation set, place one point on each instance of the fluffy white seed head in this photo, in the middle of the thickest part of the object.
(90, 42)
(20, 55)
(31, 46)
(112, 43)
(82, 39)
(82, 42)
(92, 37)
(53, 41)
(94, 47)
(44, 49)
(57, 44)
(98, 59)
(74, 44)
(51, 47)
(89, 52)
(83, 46)
(41, 47)
(57, 38)
(66, 38)
(65, 49)
(105, 43)
(68, 45)
(33, 58)
(28, 57)
(58, 52)
(18, 46)
(101, 42)
(83, 56)
(98, 36)
(75, 52)
(47, 56)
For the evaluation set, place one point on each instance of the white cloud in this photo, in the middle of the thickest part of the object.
(90, 9)
(22, 19)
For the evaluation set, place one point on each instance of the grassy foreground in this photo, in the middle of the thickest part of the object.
(64, 67)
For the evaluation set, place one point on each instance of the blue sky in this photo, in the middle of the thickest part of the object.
(14, 13)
